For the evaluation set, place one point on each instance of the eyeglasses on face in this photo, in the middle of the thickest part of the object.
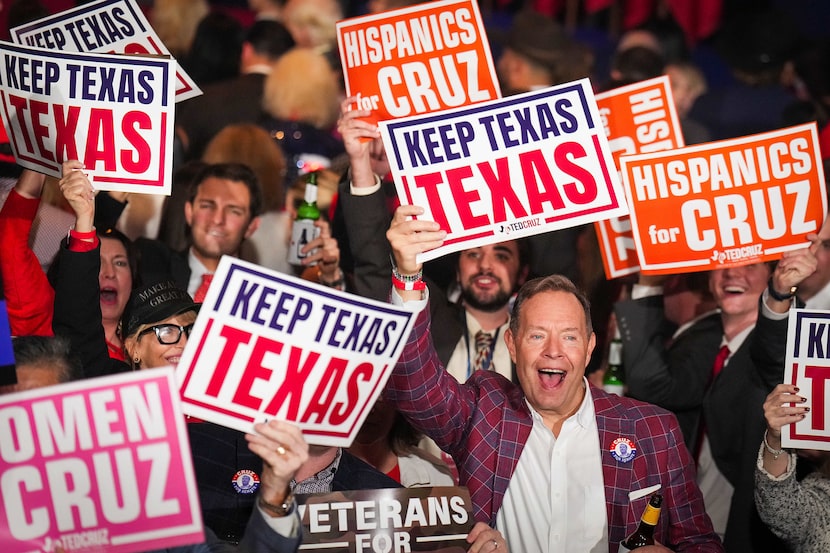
(168, 334)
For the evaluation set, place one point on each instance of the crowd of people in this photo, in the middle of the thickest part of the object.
(499, 385)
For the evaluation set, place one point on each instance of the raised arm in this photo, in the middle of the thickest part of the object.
(28, 295)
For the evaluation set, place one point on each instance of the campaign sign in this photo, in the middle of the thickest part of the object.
(508, 168)
(267, 345)
(103, 27)
(638, 118)
(418, 59)
(101, 464)
(726, 203)
(114, 113)
(387, 520)
(808, 367)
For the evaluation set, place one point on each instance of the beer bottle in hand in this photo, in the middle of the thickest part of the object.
(644, 535)
(303, 230)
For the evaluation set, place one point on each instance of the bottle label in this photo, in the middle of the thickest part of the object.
(618, 389)
(303, 231)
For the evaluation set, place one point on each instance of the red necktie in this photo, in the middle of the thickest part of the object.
(717, 366)
(720, 361)
(201, 292)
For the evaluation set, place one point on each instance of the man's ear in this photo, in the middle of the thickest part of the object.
(509, 341)
(252, 226)
(188, 213)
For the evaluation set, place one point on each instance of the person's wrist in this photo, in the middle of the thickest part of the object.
(780, 296)
(277, 508)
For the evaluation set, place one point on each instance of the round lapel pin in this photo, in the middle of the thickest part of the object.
(623, 450)
(245, 481)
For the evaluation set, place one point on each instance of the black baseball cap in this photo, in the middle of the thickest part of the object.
(154, 303)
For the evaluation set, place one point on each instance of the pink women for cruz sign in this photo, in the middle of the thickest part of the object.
(98, 464)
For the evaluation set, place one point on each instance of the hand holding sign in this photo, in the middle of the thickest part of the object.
(283, 451)
(410, 236)
(78, 191)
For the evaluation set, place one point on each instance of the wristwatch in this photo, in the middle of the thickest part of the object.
(280, 510)
(777, 295)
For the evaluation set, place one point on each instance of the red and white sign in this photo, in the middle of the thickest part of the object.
(97, 464)
(267, 345)
(727, 203)
(114, 113)
(419, 59)
(499, 170)
(808, 367)
(103, 27)
(638, 118)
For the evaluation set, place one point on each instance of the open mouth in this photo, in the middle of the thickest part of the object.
(552, 377)
(734, 289)
(109, 296)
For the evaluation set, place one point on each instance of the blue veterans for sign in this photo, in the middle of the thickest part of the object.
(523, 165)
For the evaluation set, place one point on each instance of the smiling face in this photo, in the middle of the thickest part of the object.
(220, 219)
(114, 279)
(488, 275)
(736, 291)
(150, 352)
(551, 345)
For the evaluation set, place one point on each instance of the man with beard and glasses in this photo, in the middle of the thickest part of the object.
(469, 333)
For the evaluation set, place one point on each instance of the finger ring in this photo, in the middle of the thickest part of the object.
(280, 450)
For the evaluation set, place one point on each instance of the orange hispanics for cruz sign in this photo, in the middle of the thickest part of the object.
(419, 59)
(638, 119)
(725, 203)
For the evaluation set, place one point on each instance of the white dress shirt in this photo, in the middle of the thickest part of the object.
(556, 497)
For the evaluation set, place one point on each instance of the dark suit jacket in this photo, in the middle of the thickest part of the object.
(157, 262)
(677, 378)
(223, 103)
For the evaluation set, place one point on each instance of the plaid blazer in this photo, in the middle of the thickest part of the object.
(485, 422)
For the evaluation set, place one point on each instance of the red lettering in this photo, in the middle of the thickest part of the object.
(137, 159)
(819, 377)
(501, 190)
(233, 338)
(292, 386)
(20, 106)
(584, 190)
(340, 411)
(463, 198)
(65, 132)
(429, 183)
(41, 131)
(100, 125)
(326, 390)
(533, 163)
(255, 370)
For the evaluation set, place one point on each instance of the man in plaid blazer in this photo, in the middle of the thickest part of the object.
(506, 439)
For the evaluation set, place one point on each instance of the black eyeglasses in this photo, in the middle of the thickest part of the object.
(168, 334)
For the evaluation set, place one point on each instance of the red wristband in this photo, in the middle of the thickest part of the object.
(408, 285)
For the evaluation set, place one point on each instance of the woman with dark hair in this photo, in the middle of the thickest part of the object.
(29, 293)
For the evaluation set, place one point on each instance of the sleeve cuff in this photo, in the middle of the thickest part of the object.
(287, 526)
(640, 291)
(366, 190)
(415, 306)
